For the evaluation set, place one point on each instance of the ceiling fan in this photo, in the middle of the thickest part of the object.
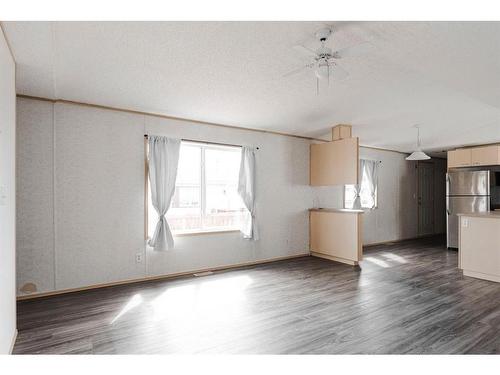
(324, 59)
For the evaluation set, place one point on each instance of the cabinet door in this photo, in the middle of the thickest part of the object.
(488, 155)
(460, 158)
(336, 236)
(334, 163)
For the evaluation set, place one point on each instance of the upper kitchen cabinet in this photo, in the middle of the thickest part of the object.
(460, 158)
(487, 155)
(474, 156)
(335, 162)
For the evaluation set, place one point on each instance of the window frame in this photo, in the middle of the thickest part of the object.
(201, 231)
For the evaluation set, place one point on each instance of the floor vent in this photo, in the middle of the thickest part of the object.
(200, 274)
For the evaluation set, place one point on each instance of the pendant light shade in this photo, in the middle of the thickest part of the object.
(418, 154)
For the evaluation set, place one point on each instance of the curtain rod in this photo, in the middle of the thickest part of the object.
(206, 142)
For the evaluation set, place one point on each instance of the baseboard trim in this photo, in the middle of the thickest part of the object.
(13, 342)
(401, 240)
(483, 276)
(335, 259)
(160, 277)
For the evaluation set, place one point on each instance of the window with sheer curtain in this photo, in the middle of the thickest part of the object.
(206, 197)
(368, 188)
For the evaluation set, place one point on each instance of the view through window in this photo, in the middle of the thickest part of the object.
(206, 196)
(366, 198)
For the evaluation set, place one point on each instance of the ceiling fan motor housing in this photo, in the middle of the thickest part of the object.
(323, 34)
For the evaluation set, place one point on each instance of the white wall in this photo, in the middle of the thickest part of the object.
(396, 217)
(35, 203)
(81, 194)
(7, 198)
(83, 169)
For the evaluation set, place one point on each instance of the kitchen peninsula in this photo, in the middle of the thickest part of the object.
(479, 250)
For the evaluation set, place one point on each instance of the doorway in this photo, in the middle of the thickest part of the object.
(425, 198)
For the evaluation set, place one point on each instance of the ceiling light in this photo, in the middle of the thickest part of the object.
(323, 70)
(418, 154)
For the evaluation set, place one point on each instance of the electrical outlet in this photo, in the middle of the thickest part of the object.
(138, 258)
(465, 223)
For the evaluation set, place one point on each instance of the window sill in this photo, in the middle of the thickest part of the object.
(202, 232)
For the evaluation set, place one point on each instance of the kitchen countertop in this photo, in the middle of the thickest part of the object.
(488, 215)
(341, 210)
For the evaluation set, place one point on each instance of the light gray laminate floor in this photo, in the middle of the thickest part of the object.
(407, 297)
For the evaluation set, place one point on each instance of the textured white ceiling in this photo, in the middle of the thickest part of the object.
(444, 76)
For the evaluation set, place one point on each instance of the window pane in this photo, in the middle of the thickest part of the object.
(211, 202)
(349, 195)
(185, 209)
(222, 165)
(222, 170)
(189, 169)
(185, 220)
(366, 198)
(223, 206)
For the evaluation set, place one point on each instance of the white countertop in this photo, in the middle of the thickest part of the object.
(488, 215)
(341, 210)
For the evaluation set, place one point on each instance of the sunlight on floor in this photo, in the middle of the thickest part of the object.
(211, 299)
(376, 261)
(216, 301)
(395, 258)
(136, 300)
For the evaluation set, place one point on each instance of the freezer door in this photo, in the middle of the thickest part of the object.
(461, 205)
(468, 183)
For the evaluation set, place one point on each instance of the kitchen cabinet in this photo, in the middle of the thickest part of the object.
(341, 132)
(460, 158)
(334, 163)
(335, 234)
(479, 253)
(487, 155)
(474, 156)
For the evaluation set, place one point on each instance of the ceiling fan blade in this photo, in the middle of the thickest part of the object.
(356, 50)
(296, 71)
(338, 73)
(304, 50)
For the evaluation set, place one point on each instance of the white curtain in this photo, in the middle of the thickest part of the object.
(246, 190)
(367, 186)
(162, 161)
(369, 170)
(357, 197)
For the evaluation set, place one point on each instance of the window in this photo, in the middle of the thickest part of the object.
(368, 200)
(206, 197)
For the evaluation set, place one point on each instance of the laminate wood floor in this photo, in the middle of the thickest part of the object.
(407, 297)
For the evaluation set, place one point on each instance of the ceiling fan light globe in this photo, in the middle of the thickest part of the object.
(418, 155)
(322, 71)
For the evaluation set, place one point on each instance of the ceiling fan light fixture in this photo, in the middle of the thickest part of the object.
(322, 71)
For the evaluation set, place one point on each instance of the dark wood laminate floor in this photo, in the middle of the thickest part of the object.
(405, 298)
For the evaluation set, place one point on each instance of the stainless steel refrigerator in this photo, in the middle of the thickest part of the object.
(466, 192)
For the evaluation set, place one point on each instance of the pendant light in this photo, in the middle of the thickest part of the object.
(418, 154)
